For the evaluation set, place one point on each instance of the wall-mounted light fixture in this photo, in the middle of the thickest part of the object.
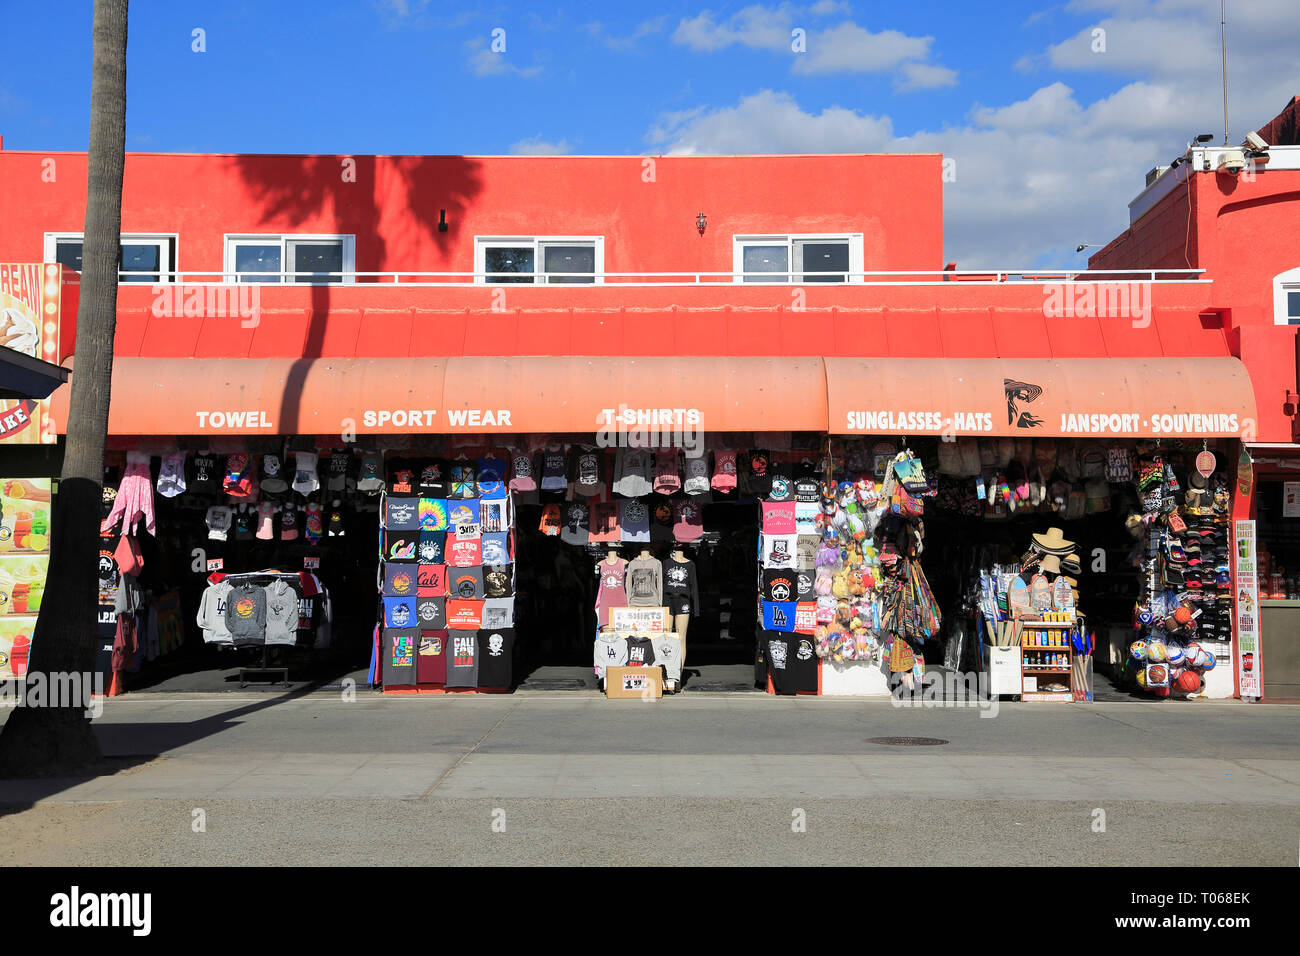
(442, 220)
(700, 223)
(1288, 407)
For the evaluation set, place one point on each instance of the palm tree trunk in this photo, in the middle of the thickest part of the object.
(59, 739)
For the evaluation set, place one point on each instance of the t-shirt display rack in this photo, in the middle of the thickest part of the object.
(446, 575)
(319, 603)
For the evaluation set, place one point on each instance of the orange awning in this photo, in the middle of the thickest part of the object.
(477, 395)
(1030, 398)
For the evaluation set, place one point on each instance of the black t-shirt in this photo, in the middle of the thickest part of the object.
(431, 479)
(401, 477)
(780, 585)
(782, 476)
(792, 662)
(497, 582)
(757, 477)
(804, 583)
(806, 488)
(640, 652)
(204, 475)
(496, 648)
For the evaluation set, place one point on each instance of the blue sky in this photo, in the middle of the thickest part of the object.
(1051, 136)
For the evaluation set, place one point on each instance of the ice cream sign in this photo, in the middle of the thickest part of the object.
(29, 324)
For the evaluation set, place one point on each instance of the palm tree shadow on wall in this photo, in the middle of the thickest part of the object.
(392, 208)
(390, 204)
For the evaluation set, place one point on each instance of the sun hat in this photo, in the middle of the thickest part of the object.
(1070, 563)
(1053, 542)
(1051, 564)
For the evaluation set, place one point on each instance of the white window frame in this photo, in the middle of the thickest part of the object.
(233, 239)
(738, 243)
(483, 243)
(1288, 281)
(168, 248)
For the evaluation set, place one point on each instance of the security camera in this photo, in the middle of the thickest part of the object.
(1232, 161)
(1256, 142)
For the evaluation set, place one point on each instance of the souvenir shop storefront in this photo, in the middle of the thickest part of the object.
(840, 523)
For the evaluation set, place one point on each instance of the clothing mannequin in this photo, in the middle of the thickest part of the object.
(645, 581)
(611, 591)
(681, 594)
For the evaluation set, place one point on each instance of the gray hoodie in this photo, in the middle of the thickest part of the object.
(281, 613)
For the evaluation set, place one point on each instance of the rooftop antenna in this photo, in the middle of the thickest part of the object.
(1223, 42)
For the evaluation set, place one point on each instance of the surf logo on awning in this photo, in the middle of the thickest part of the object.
(1018, 392)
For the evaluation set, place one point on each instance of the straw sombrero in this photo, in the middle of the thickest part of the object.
(1053, 542)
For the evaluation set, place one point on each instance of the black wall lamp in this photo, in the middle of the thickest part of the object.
(700, 223)
(442, 220)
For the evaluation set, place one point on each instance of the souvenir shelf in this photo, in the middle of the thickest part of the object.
(1047, 660)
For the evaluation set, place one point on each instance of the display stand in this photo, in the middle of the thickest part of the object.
(246, 672)
(1046, 659)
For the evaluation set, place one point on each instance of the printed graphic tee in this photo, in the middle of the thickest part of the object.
(496, 648)
(688, 520)
(431, 658)
(645, 583)
(611, 591)
(604, 522)
(611, 651)
(634, 520)
(585, 470)
(780, 585)
(399, 655)
(462, 665)
(681, 586)
(779, 551)
(577, 523)
(640, 652)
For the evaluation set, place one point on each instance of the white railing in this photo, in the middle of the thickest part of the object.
(634, 279)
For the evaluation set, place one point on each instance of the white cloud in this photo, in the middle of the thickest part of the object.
(845, 48)
(483, 62)
(924, 76)
(848, 48)
(1037, 176)
(643, 30)
(769, 122)
(758, 27)
(536, 146)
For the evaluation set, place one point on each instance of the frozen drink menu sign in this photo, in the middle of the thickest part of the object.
(29, 323)
(24, 564)
(1250, 665)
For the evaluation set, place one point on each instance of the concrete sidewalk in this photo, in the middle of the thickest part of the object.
(1201, 782)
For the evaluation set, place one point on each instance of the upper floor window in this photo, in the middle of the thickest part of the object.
(290, 258)
(798, 258)
(537, 259)
(1286, 298)
(143, 258)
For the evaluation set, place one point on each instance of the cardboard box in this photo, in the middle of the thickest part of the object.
(634, 683)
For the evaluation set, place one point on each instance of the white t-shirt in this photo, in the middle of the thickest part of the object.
(780, 550)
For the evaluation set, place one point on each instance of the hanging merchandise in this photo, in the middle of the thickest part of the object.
(1182, 619)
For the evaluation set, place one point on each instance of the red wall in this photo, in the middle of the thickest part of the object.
(392, 207)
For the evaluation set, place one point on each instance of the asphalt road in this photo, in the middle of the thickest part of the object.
(740, 779)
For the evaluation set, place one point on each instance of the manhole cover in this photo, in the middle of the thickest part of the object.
(906, 741)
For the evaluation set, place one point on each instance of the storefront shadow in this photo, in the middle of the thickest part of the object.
(147, 741)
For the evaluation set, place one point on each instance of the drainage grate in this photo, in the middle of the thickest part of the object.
(906, 741)
(554, 683)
